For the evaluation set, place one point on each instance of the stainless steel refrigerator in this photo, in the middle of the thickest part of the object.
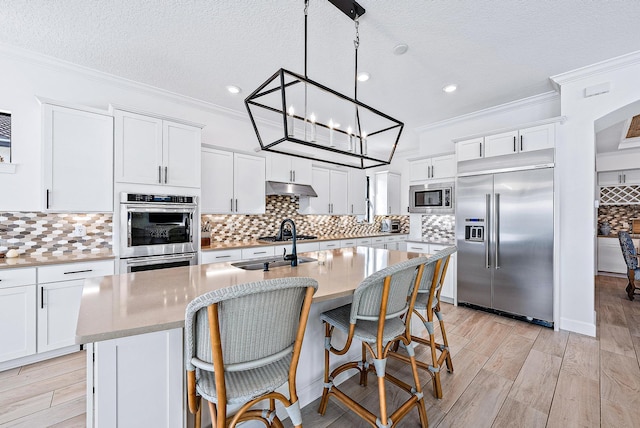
(504, 233)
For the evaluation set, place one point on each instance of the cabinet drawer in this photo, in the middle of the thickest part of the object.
(348, 243)
(363, 241)
(402, 238)
(17, 277)
(65, 272)
(418, 247)
(390, 239)
(329, 245)
(256, 253)
(220, 256)
(378, 240)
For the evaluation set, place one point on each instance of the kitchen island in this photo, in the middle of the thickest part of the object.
(132, 327)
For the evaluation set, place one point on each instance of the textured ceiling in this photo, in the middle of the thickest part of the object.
(495, 50)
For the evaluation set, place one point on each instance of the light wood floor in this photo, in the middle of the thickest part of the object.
(507, 374)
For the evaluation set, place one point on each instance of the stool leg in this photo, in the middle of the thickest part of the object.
(424, 422)
(363, 371)
(325, 392)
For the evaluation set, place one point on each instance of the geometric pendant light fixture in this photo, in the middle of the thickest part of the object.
(294, 115)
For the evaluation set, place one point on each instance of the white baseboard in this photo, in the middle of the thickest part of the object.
(588, 329)
(30, 359)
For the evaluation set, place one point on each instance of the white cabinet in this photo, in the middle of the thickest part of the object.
(345, 243)
(613, 178)
(258, 252)
(357, 192)
(288, 169)
(232, 183)
(432, 168)
(17, 313)
(331, 187)
(329, 245)
(610, 258)
(220, 256)
(151, 150)
(59, 295)
(387, 198)
(516, 141)
(78, 160)
(470, 149)
(448, 293)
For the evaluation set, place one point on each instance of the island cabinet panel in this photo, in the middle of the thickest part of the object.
(139, 381)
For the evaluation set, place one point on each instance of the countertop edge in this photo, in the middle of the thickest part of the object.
(254, 244)
(23, 261)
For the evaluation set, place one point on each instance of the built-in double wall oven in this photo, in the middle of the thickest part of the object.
(157, 231)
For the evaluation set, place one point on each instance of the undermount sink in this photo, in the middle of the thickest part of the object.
(259, 264)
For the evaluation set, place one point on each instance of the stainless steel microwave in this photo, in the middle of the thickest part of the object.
(432, 198)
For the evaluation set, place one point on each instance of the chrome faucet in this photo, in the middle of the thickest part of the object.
(294, 254)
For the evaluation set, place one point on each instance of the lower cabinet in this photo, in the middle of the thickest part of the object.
(17, 313)
(40, 317)
(449, 289)
(610, 258)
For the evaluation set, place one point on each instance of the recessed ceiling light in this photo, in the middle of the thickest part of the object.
(450, 88)
(363, 76)
(234, 89)
(400, 48)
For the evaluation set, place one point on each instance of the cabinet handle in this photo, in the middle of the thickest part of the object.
(166, 174)
(351, 208)
(389, 210)
(521, 143)
(159, 174)
(236, 205)
(78, 271)
(42, 298)
(624, 178)
(514, 143)
(294, 175)
(291, 175)
(222, 257)
(47, 198)
(433, 171)
(231, 204)
(480, 149)
(260, 252)
(619, 178)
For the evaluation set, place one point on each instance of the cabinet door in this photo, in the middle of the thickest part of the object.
(357, 192)
(501, 144)
(320, 182)
(279, 168)
(393, 198)
(181, 151)
(78, 160)
(17, 322)
(419, 170)
(470, 149)
(448, 288)
(301, 170)
(537, 138)
(609, 178)
(58, 307)
(631, 176)
(217, 181)
(339, 183)
(610, 258)
(138, 148)
(443, 167)
(248, 184)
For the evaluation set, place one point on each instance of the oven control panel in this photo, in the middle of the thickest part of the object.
(172, 199)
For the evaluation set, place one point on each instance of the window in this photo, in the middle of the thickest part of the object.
(5, 137)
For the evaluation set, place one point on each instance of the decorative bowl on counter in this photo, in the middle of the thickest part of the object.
(605, 228)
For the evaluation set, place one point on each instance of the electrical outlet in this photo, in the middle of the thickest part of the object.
(79, 230)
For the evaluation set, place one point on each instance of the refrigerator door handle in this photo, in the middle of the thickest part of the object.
(497, 239)
(487, 233)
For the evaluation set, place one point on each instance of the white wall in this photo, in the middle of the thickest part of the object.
(575, 160)
(26, 76)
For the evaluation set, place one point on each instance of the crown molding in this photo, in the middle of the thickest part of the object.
(524, 102)
(53, 63)
(606, 66)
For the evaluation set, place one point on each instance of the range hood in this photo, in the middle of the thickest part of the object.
(290, 189)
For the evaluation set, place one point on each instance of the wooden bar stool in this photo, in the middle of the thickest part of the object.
(241, 344)
(428, 302)
(375, 318)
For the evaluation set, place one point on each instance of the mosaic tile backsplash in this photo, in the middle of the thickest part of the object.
(439, 227)
(245, 228)
(48, 233)
(618, 216)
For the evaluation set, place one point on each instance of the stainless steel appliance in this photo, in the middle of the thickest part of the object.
(432, 198)
(156, 231)
(390, 225)
(504, 233)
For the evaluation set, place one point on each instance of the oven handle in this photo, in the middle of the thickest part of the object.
(148, 260)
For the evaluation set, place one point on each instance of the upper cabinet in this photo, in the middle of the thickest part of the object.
(387, 200)
(77, 160)
(288, 169)
(357, 192)
(151, 150)
(614, 178)
(232, 183)
(440, 167)
(331, 187)
(517, 141)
